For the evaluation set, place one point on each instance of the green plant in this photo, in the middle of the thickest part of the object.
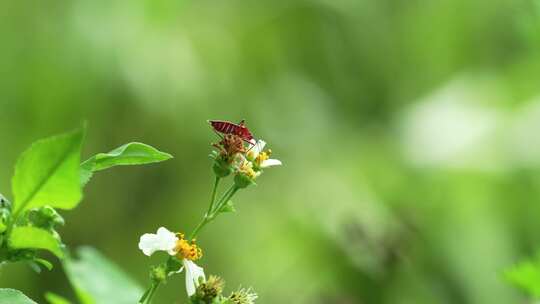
(231, 159)
(49, 176)
(525, 275)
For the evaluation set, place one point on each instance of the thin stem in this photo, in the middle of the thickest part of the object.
(152, 293)
(193, 234)
(145, 295)
(219, 202)
(212, 213)
(149, 294)
(213, 197)
(224, 201)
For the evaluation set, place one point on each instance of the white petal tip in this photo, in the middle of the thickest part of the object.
(271, 162)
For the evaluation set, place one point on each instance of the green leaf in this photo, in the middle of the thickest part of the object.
(12, 296)
(97, 280)
(48, 173)
(53, 298)
(129, 154)
(228, 207)
(526, 276)
(27, 237)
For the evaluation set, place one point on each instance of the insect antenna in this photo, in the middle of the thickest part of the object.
(252, 145)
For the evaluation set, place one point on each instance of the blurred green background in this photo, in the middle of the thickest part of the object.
(408, 132)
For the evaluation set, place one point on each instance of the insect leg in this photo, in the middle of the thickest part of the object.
(217, 133)
(249, 143)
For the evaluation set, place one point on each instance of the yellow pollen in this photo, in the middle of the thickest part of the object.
(187, 250)
(247, 169)
(262, 157)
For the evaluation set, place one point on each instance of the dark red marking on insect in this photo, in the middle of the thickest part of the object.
(227, 127)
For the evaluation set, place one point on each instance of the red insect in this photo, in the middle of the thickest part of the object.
(227, 127)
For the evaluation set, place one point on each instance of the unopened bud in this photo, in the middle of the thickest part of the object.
(209, 291)
(45, 217)
(158, 274)
(243, 296)
(222, 168)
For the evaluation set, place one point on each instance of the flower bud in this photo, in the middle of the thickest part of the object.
(45, 217)
(158, 274)
(243, 296)
(207, 292)
(222, 168)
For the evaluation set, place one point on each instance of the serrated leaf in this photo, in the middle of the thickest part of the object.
(53, 298)
(48, 173)
(97, 280)
(129, 154)
(12, 296)
(34, 238)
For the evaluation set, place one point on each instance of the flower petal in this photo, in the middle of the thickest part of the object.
(163, 240)
(256, 149)
(270, 162)
(193, 273)
(260, 146)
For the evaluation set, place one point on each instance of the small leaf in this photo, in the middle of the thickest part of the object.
(97, 280)
(34, 238)
(53, 298)
(44, 263)
(228, 207)
(12, 296)
(526, 276)
(48, 173)
(129, 154)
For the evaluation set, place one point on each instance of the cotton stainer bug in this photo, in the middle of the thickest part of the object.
(227, 127)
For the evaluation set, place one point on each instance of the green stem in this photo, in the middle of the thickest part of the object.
(193, 234)
(142, 300)
(149, 294)
(213, 197)
(152, 293)
(219, 202)
(209, 216)
(224, 201)
(205, 220)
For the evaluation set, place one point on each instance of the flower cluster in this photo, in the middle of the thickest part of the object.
(211, 292)
(246, 163)
(236, 156)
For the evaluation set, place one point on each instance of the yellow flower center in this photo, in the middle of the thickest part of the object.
(247, 169)
(262, 157)
(187, 250)
(265, 155)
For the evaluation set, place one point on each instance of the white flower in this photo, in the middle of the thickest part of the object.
(193, 273)
(163, 240)
(256, 150)
(270, 162)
